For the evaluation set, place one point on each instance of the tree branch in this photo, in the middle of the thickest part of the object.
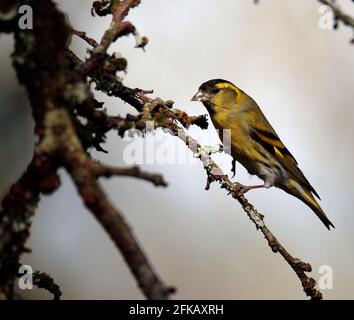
(17, 210)
(84, 174)
(118, 28)
(46, 282)
(214, 173)
(40, 55)
(339, 14)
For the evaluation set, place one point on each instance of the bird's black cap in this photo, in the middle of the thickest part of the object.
(211, 84)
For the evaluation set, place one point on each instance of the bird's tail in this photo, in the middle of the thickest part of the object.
(305, 195)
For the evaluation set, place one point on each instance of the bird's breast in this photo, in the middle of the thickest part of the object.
(231, 125)
(244, 149)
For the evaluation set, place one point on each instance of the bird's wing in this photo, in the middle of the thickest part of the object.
(263, 133)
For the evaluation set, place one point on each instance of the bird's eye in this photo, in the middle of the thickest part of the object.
(215, 90)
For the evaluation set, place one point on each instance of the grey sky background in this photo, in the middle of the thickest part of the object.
(201, 241)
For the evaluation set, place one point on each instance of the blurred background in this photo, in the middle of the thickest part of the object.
(201, 241)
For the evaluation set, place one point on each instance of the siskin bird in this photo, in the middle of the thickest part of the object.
(255, 144)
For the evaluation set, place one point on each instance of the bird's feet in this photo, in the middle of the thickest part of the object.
(233, 169)
(243, 189)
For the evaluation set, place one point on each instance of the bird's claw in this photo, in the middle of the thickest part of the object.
(241, 190)
(233, 169)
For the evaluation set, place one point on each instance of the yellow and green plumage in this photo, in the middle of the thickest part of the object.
(254, 142)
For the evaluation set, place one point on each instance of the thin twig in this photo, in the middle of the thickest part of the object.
(45, 281)
(117, 28)
(108, 171)
(92, 42)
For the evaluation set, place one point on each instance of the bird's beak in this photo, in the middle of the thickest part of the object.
(200, 96)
